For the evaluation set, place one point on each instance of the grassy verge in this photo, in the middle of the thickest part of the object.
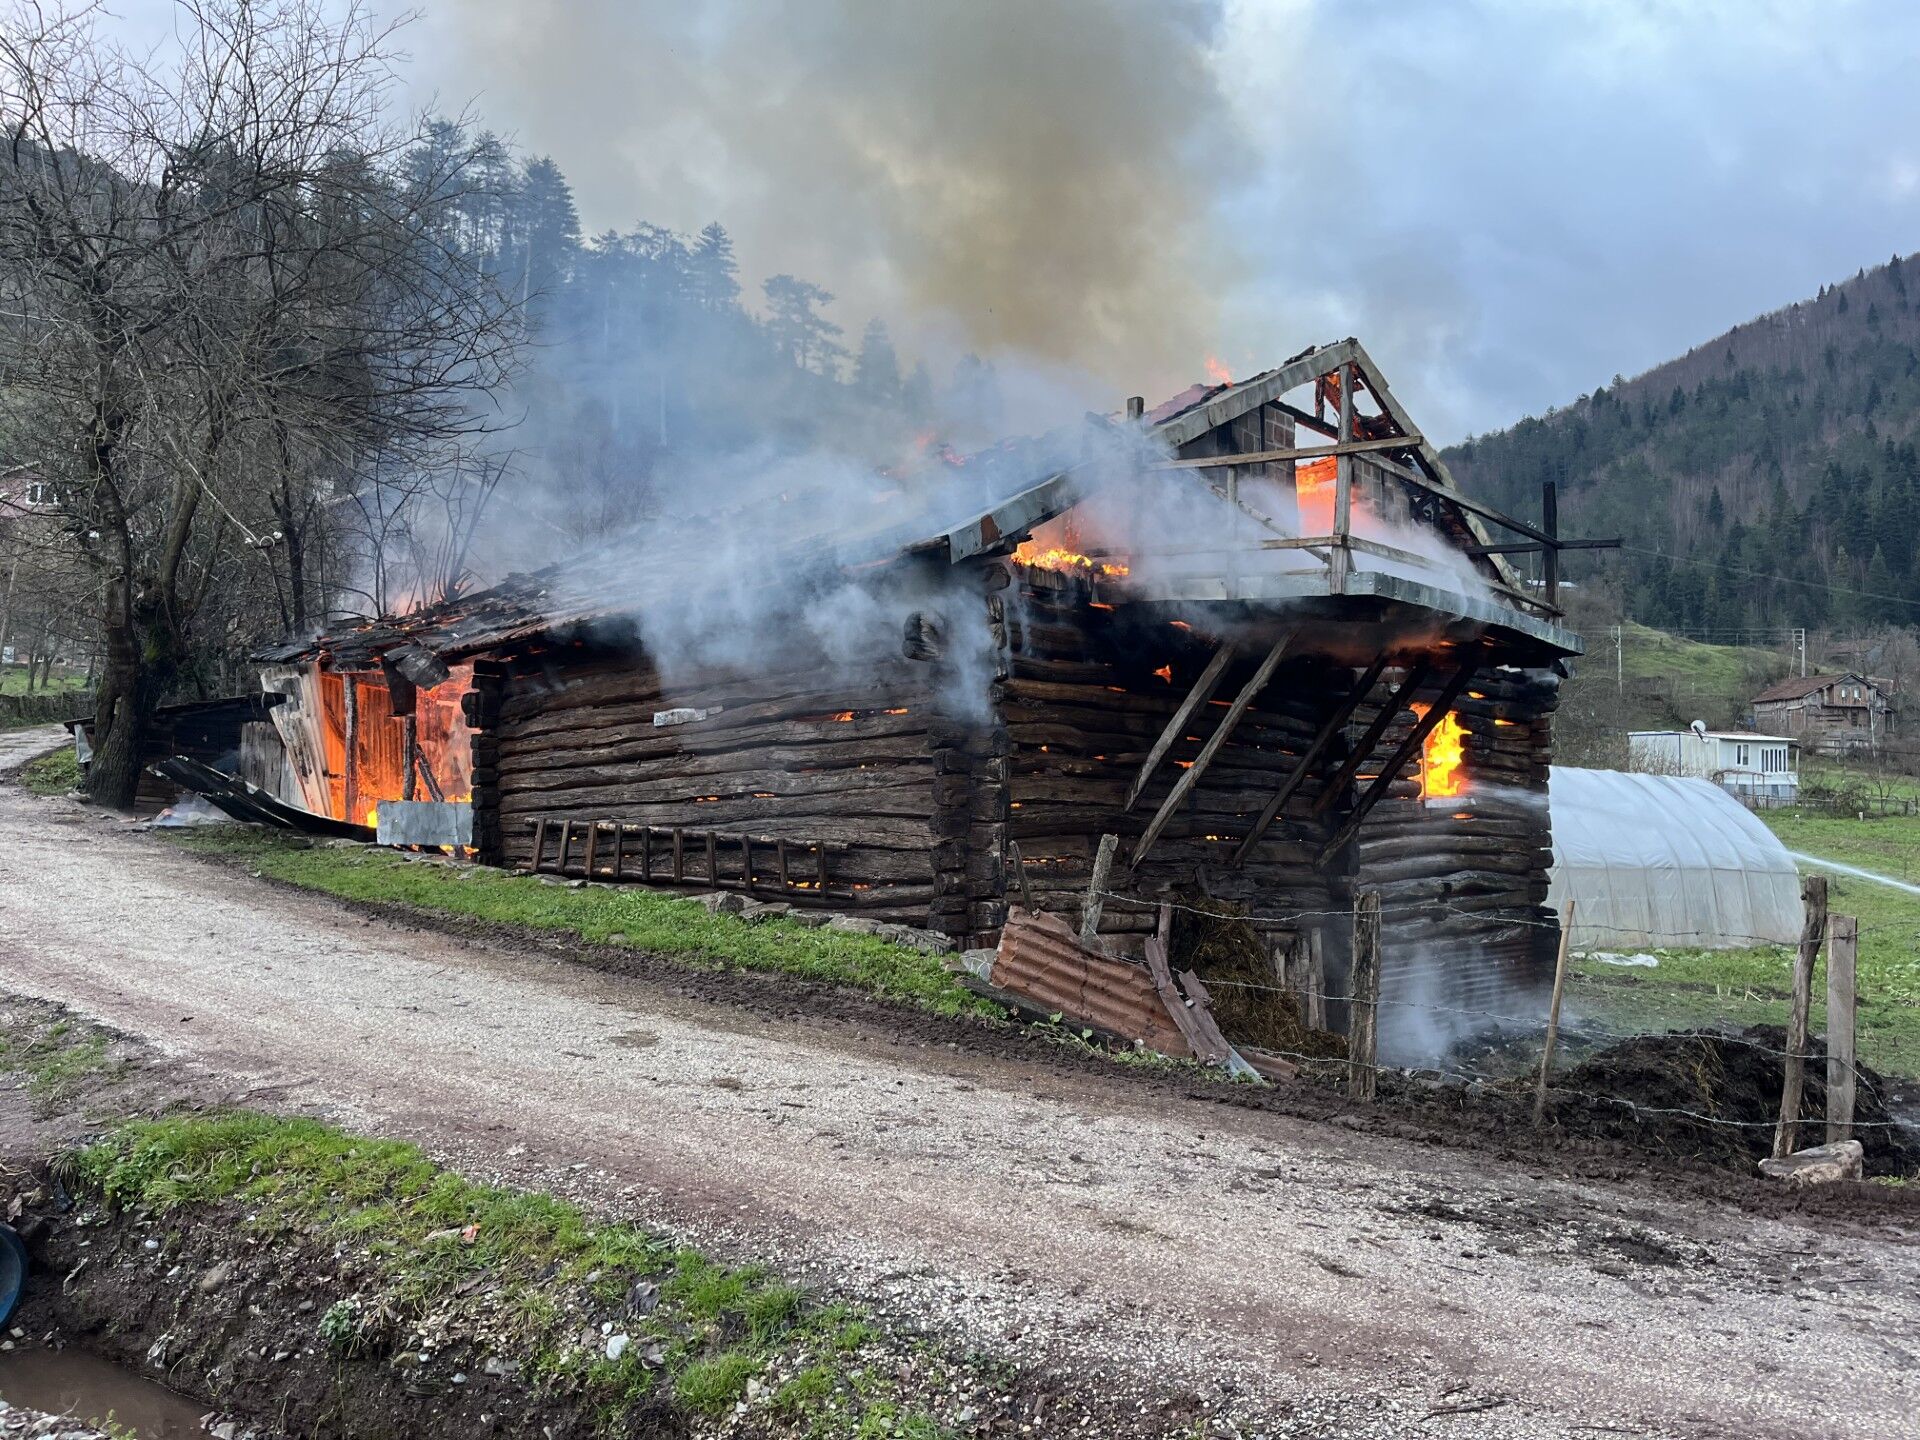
(1693, 987)
(606, 1312)
(642, 920)
(53, 774)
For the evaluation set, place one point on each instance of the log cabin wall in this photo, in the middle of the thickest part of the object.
(798, 756)
(1083, 706)
(1463, 881)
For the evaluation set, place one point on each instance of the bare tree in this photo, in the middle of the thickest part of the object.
(233, 291)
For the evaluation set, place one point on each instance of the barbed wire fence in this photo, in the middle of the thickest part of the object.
(1729, 1021)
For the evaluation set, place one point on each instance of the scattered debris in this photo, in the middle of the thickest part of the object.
(1819, 1164)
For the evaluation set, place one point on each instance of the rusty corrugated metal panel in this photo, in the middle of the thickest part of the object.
(1041, 960)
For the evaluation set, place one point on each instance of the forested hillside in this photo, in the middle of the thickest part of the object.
(1767, 478)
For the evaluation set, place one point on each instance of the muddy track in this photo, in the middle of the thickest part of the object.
(1492, 1125)
(1293, 1260)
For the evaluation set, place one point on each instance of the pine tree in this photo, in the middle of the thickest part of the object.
(713, 270)
(809, 340)
(876, 372)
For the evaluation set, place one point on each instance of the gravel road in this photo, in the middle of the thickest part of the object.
(1299, 1276)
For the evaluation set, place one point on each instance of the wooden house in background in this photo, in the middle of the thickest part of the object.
(1828, 714)
(1333, 681)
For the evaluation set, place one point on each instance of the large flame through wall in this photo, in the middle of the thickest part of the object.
(1058, 545)
(1442, 757)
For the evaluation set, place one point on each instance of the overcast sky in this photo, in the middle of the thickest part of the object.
(1509, 201)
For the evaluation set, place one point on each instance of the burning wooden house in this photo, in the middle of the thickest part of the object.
(1256, 634)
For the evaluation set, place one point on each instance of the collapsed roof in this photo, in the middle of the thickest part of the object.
(990, 502)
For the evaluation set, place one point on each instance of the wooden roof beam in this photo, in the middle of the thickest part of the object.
(1335, 723)
(1191, 776)
(1201, 692)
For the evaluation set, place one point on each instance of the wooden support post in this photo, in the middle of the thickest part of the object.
(350, 784)
(679, 855)
(1334, 724)
(1550, 556)
(1190, 777)
(1553, 1015)
(780, 863)
(619, 851)
(1363, 1010)
(713, 860)
(746, 863)
(1097, 890)
(1020, 876)
(821, 851)
(409, 756)
(1416, 737)
(593, 847)
(1201, 692)
(566, 846)
(1843, 940)
(1342, 555)
(1316, 980)
(1813, 930)
(539, 843)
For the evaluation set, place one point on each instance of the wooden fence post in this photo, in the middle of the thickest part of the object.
(1553, 1014)
(1097, 890)
(1316, 979)
(1813, 929)
(1843, 939)
(1363, 1010)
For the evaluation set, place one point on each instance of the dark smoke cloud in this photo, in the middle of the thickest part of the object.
(999, 175)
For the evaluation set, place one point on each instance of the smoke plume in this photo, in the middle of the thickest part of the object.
(996, 176)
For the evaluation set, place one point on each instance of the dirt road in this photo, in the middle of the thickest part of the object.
(1308, 1278)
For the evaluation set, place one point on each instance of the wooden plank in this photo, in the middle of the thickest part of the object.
(1200, 694)
(1097, 890)
(746, 863)
(1363, 1009)
(1304, 452)
(1553, 1015)
(679, 855)
(1342, 563)
(1416, 737)
(713, 860)
(350, 784)
(1813, 930)
(619, 852)
(1415, 677)
(593, 846)
(566, 847)
(1335, 723)
(646, 854)
(1232, 403)
(539, 843)
(1191, 776)
(1020, 876)
(1843, 942)
(1316, 980)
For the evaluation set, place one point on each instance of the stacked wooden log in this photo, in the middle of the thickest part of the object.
(1089, 690)
(847, 764)
(1463, 879)
(968, 742)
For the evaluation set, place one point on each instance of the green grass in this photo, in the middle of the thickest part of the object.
(641, 920)
(58, 1061)
(13, 681)
(53, 774)
(1718, 681)
(1693, 987)
(532, 1273)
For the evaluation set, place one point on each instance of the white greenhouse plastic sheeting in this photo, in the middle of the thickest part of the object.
(1658, 860)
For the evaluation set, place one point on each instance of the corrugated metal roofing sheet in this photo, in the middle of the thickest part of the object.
(1041, 960)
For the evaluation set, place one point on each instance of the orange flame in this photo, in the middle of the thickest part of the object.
(1442, 757)
(1066, 561)
(1217, 372)
(1165, 672)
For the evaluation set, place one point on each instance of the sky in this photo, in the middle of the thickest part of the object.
(1508, 201)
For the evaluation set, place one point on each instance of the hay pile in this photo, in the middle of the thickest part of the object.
(1218, 943)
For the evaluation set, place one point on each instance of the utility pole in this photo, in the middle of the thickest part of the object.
(1800, 635)
(1619, 659)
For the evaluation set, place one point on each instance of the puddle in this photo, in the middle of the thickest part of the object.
(70, 1382)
